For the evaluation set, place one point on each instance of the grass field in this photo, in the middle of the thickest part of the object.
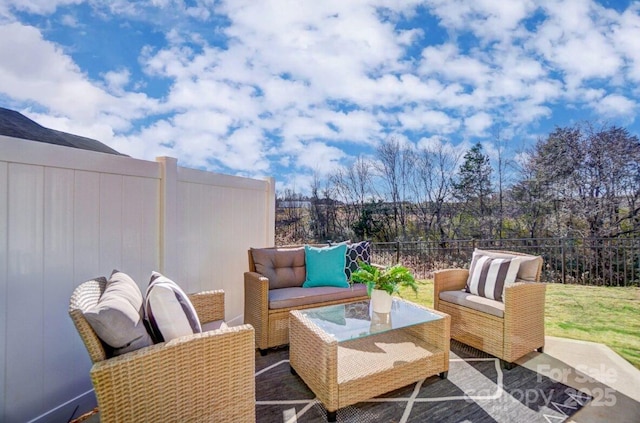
(607, 315)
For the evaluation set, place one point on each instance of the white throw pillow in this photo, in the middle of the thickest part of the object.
(529, 265)
(488, 276)
(168, 310)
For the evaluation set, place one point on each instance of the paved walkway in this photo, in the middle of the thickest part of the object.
(593, 368)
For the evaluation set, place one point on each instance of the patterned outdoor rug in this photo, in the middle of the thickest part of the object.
(477, 390)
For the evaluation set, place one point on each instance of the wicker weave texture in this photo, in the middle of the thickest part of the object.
(85, 296)
(197, 378)
(209, 305)
(200, 378)
(342, 374)
(518, 333)
(272, 325)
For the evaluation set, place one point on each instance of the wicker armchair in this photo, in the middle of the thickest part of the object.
(519, 331)
(201, 377)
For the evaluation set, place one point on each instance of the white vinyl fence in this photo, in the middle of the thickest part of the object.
(68, 215)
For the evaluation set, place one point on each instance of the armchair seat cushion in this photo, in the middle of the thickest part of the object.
(216, 324)
(475, 302)
(297, 296)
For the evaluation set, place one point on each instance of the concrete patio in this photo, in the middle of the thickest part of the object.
(593, 368)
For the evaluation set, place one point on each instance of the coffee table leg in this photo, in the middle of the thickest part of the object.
(331, 416)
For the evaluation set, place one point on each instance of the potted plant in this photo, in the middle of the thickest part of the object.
(383, 282)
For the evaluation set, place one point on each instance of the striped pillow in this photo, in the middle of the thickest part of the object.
(169, 312)
(488, 275)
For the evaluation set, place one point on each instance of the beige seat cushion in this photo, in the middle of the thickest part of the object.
(296, 297)
(284, 267)
(216, 324)
(475, 302)
(528, 264)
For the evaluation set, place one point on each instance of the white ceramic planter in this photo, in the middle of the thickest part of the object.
(381, 301)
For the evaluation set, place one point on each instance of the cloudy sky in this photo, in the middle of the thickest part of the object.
(289, 88)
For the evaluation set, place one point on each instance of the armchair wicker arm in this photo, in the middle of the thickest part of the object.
(448, 280)
(256, 306)
(524, 318)
(209, 305)
(202, 377)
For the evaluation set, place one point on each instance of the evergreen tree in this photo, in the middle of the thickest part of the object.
(472, 188)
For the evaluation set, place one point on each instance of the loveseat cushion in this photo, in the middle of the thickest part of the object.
(475, 302)
(296, 297)
(284, 267)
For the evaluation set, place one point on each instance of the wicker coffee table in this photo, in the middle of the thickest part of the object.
(346, 353)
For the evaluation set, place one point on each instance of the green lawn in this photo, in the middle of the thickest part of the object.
(607, 315)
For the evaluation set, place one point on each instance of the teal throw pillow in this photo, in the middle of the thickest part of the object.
(325, 266)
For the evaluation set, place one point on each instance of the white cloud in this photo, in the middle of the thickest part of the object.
(422, 118)
(303, 84)
(626, 36)
(319, 157)
(39, 70)
(70, 21)
(615, 105)
(451, 65)
(117, 80)
(478, 124)
(39, 7)
(490, 19)
(574, 38)
(101, 129)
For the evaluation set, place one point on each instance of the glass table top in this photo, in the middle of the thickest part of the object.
(357, 320)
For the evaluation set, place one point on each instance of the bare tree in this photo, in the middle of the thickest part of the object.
(396, 166)
(432, 189)
(593, 177)
(504, 164)
(291, 212)
(353, 187)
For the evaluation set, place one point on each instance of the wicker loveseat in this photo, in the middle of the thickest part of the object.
(207, 376)
(273, 287)
(506, 329)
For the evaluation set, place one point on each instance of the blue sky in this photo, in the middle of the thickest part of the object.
(293, 88)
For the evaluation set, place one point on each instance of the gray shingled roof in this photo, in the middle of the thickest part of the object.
(14, 124)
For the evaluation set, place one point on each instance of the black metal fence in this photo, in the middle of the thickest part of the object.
(586, 261)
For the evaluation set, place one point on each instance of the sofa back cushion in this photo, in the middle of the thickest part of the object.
(530, 266)
(284, 267)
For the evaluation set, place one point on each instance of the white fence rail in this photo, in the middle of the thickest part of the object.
(69, 215)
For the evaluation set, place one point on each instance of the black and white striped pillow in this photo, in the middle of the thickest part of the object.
(168, 310)
(488, 276)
